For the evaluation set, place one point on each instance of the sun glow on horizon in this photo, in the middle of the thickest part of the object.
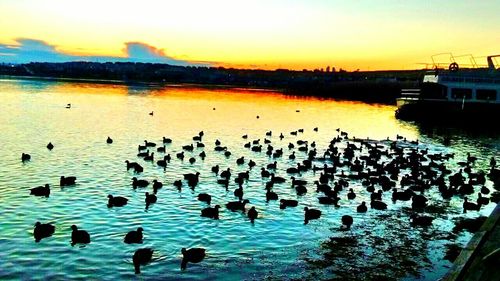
(295, 34)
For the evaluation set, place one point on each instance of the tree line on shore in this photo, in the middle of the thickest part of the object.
(374, 86)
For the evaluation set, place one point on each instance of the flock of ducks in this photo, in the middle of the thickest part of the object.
(380, 166)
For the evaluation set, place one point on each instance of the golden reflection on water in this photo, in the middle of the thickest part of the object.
(189, 108)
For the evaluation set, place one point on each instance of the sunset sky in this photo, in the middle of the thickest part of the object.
(267, 34)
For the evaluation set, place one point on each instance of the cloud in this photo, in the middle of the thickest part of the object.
(31, 50)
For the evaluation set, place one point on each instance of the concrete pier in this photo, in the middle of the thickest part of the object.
(480, 259)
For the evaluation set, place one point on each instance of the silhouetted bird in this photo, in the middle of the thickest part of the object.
(79, 236)
(362, 208)
(288, 203)
(351, 195)
(469, 206)
(204, 197)
(378, 205)
(212, 213)
(150, 199)
(25, 157)
(134, 236)
(139, 183)
(41, 191)
(64, 181)
(311, 214)
(237, 205)
(178, 184)
(193, 255)
(50, 146)
(43, 231)
(215, 169)
(109, 140)
(271, 195)
(116, 201)
(141, 257)
(252, 214)
(346, 222)
(157, 185)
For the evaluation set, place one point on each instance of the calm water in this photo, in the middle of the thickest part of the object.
(278, 244)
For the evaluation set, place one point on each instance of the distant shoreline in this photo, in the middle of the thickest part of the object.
(372, 87)
(138, 83)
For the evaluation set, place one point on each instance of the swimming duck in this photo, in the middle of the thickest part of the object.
(202, 155)
(270, 195)
(43, 231)
(378, 205)
(469, 206)
(150, 199)
(116, 201)
(150, 157)
(272, 166)
(141, 257)
(288, 203)
(346, 222)
(300, 190)
(237, 205)
(311, 214)
(157, 185)
(210, 212)
(264, 173)
(226, 174)
(192, 176)
(482, 200)
(134, 236)
(64, 181)
(351, 195)
(79, 236)
(188, 147)
(362, 208)
(276, 179)
(238, 192)
(139, 183)
(205, 197)
(215, 169)
(149, 144)
(50, 146)
(193, 255)
(109, 140)
(178, 184)
(25, 157)
(41, 191)
(252, 214)
(180, 155)
(240, 161)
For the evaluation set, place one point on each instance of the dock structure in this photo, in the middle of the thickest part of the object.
(480, 259)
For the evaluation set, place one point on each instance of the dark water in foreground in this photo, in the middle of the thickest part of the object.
(277, 246)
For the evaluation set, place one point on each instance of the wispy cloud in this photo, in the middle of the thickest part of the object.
(31, 50)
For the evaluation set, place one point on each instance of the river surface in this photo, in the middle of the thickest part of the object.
(277, 246)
